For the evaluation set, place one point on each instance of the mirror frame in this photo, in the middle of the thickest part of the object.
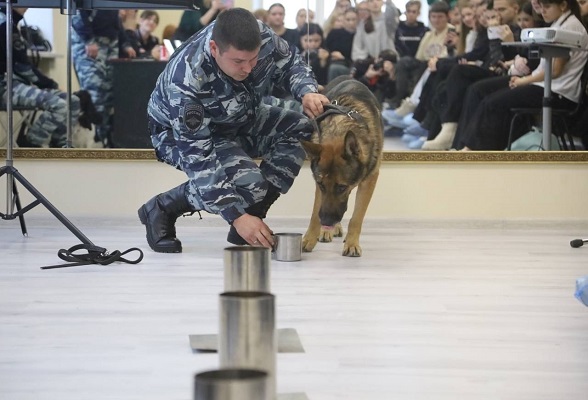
(389, 156)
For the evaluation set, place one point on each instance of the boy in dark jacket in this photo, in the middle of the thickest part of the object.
(411, 31)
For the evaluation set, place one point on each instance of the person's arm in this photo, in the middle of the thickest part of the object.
(386, 42)
(358, 51)
(511, 33)
(391, 19)
(481, 48)
(210, 14)
(125, 42)
(189, 24)
(82, 24)
(420, 54)
(539, 74)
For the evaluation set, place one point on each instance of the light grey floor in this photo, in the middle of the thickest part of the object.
(431, 311)
(393, 143)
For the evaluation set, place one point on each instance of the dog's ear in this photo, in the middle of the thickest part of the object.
(313, 150)
(352, 148)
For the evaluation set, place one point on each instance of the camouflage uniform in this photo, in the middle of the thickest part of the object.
(33, 89)
(95, 74)
(210, 126)
(50, 127)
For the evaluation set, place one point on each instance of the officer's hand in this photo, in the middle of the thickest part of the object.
(254, 231)
(313, 104)
(92, 50)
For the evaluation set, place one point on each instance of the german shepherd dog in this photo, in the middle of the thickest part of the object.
(345, 152)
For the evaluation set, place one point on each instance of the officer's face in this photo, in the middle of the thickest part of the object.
(235, 63)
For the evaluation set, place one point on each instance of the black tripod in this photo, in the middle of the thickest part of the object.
(96, 255)
(12, 174)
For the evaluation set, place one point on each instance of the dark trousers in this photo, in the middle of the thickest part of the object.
(489, 127)
(459, 80)
(472, 99)
(408, 72)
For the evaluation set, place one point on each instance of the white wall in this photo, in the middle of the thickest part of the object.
(42, 18)
(420, 191)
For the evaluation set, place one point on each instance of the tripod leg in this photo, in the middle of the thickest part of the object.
(23, 226)
(62, 218)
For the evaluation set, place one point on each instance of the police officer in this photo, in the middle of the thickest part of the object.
(31, 88)
(95, 40)
(207, 118)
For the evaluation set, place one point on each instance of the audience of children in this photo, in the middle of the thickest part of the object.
(454, 75)
(488, 126)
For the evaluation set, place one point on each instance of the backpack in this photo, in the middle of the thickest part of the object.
(533, 141)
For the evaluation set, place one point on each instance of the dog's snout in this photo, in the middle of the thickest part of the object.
(331, 218)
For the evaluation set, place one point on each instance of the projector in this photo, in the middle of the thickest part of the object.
(555, 36)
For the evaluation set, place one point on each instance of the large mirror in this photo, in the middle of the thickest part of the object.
(53, 62)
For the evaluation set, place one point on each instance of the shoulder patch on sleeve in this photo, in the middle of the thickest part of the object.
(193, 116)
(282, 46)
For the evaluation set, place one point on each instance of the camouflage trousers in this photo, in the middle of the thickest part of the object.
(95, 76)
(50, 126)
(274, 137)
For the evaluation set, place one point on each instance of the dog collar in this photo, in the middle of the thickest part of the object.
(335, 109)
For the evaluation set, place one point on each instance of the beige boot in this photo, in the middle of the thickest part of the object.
(444, 139)
(406, 107)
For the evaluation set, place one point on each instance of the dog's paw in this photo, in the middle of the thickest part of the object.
(326, 235)
(352, 250)
(338, 231)
(308, 244)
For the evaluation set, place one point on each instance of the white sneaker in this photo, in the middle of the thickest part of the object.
(406, 107)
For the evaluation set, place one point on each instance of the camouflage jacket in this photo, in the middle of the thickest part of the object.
(23, 70)
(198, 101)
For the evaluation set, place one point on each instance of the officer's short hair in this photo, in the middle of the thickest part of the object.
(236, 27)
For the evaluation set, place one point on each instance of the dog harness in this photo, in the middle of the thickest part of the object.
(335, 109)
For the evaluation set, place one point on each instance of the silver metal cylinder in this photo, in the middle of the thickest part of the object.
(247, 337)
(288, 246)
(247, 269)
(231, 384)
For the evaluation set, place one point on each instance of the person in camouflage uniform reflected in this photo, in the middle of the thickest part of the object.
(207, 117)
(31, 88)
(96, 37)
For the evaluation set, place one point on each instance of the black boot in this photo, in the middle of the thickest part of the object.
(88, 113)
(258, 210)
(159, 216)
